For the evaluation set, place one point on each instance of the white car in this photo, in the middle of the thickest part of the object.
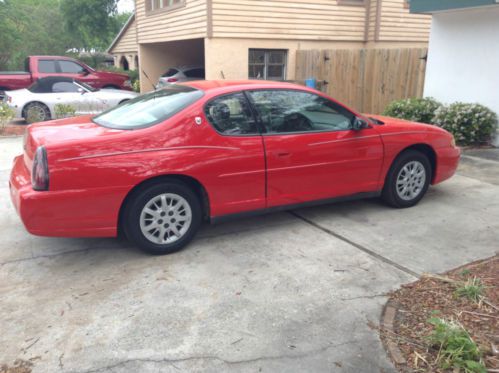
(41, 98)
(181, 74)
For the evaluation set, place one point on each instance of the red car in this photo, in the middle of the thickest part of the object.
(37, 67)
(155, 167)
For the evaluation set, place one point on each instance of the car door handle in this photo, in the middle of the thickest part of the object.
(282, 154)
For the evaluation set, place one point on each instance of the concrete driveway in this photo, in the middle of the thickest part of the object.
(290, 292)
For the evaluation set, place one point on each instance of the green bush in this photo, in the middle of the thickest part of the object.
(471, 124)
(64, 111)
(414, 109)
(6, 114)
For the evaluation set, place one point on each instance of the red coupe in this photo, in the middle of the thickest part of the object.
(155, 167)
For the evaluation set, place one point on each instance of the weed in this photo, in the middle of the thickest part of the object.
(456, 348)
(465, 273)
(471, 289)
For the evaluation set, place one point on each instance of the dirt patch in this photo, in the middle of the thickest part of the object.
(19, 366)
(15, 128)
(442, 297)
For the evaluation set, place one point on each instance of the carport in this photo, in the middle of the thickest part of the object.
(156, 58)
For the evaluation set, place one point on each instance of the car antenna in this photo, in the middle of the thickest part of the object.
(147, 77)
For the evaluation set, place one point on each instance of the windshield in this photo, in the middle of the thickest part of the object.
(149, 109)
(86, 86)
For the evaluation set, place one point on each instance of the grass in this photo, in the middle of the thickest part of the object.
(472, 289)
(456, 349)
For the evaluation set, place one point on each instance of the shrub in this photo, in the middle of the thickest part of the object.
(413, 109)
(469, 123)
(136, 86)
(456, 348)
(6, 114)
(64, 111)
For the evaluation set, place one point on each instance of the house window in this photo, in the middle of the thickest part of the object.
(158, 5)
(267, 64)
(352, 2)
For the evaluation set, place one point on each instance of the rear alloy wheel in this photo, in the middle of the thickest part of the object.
(408, 180)
(163, 218)
(36, 112)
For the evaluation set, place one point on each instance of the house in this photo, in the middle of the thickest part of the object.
(125, 47)
(463, 55)
(241, 39)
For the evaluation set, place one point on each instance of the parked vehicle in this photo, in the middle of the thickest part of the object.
(181, 74)
(156, 166)
(37, 67)
(44, 95)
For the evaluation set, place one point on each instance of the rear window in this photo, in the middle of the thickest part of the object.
(170, 72)
(194, 73)
(149, 109)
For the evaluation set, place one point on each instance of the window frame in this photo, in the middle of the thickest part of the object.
(251, 108)
(266, 62)
(262, 127)
(150, 10)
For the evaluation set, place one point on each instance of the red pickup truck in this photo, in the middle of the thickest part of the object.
(41, 66)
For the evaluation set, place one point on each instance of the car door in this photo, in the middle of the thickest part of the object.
(237, 176)
(312, 152)
(74, 70)
(69, 93)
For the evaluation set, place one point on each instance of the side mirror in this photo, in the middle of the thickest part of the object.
(359, 124)
(84, 72)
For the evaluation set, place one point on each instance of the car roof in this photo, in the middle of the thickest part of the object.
(212, 85)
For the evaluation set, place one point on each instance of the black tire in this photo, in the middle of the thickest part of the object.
(43, 112)
(123, 101)
(111, 87)
(390, 193)
(131, 219)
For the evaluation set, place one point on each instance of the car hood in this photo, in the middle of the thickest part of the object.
(400, 125)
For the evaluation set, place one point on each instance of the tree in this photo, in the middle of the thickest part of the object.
(92, 24)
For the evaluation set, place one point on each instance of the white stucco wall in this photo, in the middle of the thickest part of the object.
(463, 59)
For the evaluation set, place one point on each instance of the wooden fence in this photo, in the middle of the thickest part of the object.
(365, 79)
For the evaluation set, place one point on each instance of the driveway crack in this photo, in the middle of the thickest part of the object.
(216, 358)
(356, 245)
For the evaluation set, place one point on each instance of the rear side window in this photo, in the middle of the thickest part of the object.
(149, 109)
(231, 115)
(46, 66)
(170, 72)
(195, 73)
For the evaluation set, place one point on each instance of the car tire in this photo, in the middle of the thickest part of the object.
(111, 87)
(41, 110)
(162, 218)
(408, 180)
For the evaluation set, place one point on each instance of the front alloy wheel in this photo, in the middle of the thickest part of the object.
(408, 179)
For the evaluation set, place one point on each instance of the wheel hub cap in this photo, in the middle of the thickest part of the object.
(411, 180)
(165, 218)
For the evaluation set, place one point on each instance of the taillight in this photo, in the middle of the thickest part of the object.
(172, 80)
(40, 172)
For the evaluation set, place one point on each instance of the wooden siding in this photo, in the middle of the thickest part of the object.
(127, 41)
(187, 22)
(398, 24)
(288, 19)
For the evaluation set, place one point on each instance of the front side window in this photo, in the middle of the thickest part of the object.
(46, 66)
(231, 115)
(267, 64)
(149, 109)
(70, 67)
(289, 111)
